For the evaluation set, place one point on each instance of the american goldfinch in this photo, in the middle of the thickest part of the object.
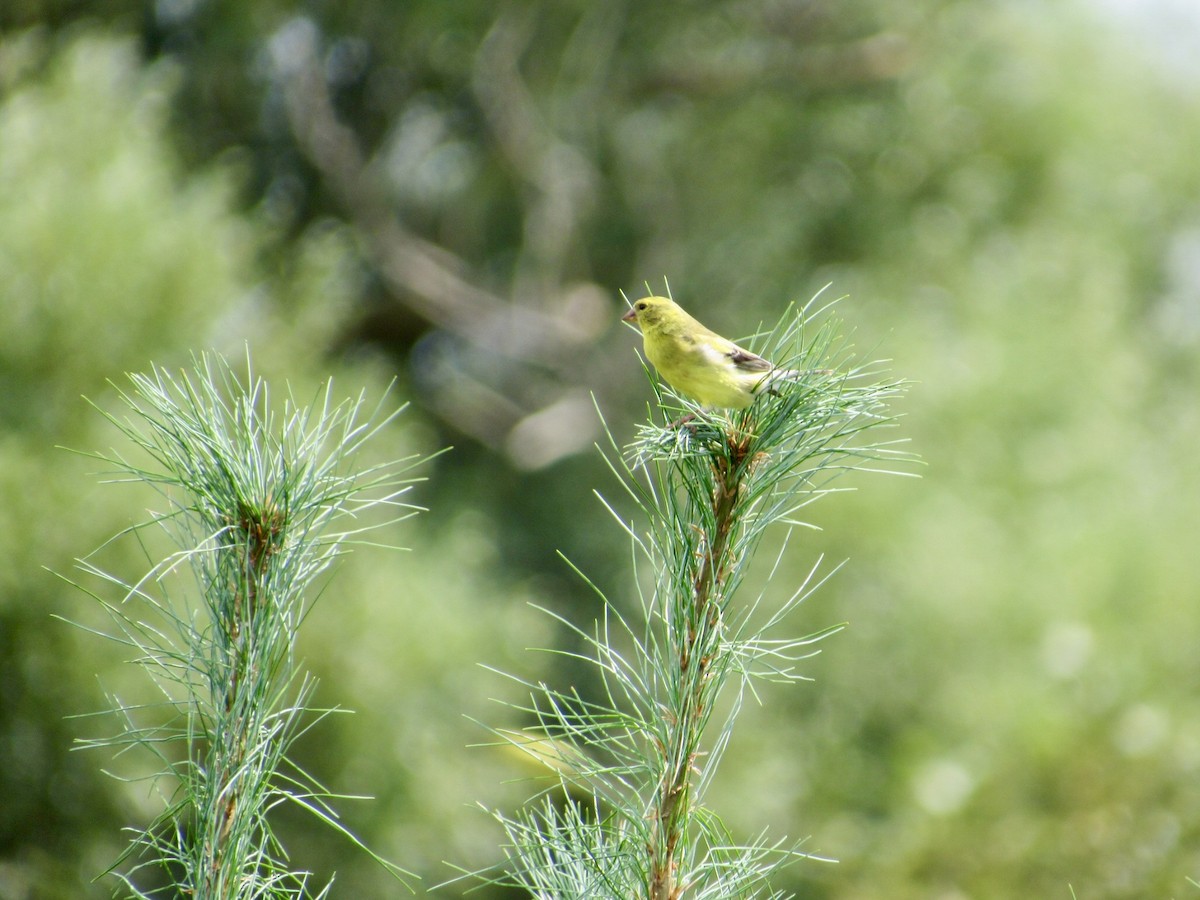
(697, 362)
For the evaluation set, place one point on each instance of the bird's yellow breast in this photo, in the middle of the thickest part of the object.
(697, 370)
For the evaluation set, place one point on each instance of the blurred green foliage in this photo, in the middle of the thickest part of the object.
(456, 192)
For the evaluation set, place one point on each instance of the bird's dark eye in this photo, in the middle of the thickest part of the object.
(641, 305)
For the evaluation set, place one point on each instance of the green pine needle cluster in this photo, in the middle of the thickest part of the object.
(644, 750)
(256, 502)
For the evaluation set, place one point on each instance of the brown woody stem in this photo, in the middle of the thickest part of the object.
(672, 804)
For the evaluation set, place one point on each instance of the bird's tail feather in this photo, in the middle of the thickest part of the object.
(789, 375)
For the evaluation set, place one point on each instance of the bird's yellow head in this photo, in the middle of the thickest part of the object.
(650, 311)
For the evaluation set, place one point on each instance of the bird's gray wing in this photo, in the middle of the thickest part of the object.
(747, 361)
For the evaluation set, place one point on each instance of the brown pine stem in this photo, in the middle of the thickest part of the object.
(707, 595)
(256, 533)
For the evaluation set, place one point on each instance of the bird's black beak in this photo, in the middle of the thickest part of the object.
(630, 316)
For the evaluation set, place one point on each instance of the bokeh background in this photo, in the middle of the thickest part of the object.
(453, 195)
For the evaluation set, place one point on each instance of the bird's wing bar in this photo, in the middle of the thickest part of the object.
(747, 361)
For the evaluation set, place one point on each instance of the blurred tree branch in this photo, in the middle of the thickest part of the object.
(551, 321)
(423, 275)
(562, 181)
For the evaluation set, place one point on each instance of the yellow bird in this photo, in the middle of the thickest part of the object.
(698, 362)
